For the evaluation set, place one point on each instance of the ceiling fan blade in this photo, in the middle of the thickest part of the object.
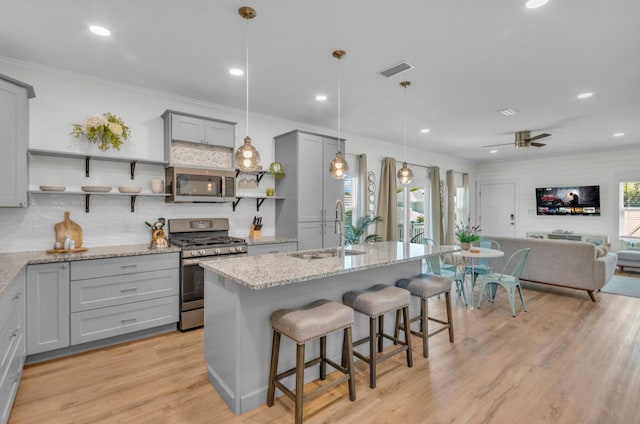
(537, 144)
(495, 145)
(539, 136)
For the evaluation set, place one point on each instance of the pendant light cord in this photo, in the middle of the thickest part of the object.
(405, 122)
(339, 99)
(247, 69)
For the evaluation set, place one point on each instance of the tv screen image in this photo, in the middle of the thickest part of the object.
(576, 200)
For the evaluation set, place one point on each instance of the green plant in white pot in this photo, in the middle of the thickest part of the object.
(467, 234)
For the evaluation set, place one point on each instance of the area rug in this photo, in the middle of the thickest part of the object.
(626, 286)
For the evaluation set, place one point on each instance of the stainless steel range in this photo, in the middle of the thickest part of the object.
(200, 239)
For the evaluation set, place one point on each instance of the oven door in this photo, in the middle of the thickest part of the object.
(191, 285)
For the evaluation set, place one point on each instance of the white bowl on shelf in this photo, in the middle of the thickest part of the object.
(52, 188)
(96, 189)
(130, 189)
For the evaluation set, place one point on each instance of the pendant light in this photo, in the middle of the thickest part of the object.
(247, 157)
(405, 175)
(338, 168)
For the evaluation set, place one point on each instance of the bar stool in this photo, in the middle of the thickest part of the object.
(426, 286)
(302, 325)
(375, 302)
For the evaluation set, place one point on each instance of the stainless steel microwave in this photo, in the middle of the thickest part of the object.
(190, 185)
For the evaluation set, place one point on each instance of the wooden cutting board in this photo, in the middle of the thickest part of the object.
(70, 228)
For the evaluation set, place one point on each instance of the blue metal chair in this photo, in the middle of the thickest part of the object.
(510, 281)
(436, 267)
(484, 265)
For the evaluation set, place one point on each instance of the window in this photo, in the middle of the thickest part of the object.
(351, 184)
(629, 222)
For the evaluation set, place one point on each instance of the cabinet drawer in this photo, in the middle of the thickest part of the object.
(82, 270)
(13, 297)
(9, 380)
(116, 320)
(118, 290)
(10, 334)
(263, 249)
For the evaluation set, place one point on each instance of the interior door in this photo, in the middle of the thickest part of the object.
(497, 209)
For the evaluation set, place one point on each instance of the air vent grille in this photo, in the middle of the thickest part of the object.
(396, 69)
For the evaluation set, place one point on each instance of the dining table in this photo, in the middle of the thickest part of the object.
(470, 258)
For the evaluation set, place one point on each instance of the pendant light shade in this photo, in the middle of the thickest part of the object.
(247, 157)
(338, 168)
(405, 175)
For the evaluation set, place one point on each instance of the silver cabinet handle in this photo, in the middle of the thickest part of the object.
(17, 296)
(129, 290)
(63, 266)
(15, 332)
(128, 319)
(14, 377)
(129, 266)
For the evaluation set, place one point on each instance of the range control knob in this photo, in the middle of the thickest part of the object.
(232, 249)
(202, 252)
(217, 250)
(194, 253)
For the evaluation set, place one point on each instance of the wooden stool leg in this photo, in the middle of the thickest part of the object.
(424, 328)
(372, 352)
(380, 331)
(348, 349)
(323, 358)
(273, 370)
(345, 357)
(447, 297)
(299, 382)
(396, 331)
(407, 336)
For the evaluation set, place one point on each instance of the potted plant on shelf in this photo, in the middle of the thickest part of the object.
(106, 130)
(466, 234)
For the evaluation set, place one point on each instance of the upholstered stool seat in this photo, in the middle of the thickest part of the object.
(313, 321)
(427, 286)
(375, 302)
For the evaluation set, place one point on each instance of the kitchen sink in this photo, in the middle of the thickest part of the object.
(324, 253)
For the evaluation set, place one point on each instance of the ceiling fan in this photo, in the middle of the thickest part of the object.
(524, 139)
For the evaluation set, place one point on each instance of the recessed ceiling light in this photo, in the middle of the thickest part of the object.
(493, 151)
(534, 4)
(425, 130)
(321, 97)
(584, 95)
(99, 30)
(507, 111)
(618, 135)
(236, 71)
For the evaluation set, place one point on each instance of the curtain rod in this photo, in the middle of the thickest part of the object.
(414, 164)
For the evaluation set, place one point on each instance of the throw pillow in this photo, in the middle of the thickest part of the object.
(600, 252)
(631, 244)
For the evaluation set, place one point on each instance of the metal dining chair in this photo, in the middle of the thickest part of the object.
(484, 266)
(510, 281)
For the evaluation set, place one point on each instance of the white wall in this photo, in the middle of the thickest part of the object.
(592, 168)
(64, 98)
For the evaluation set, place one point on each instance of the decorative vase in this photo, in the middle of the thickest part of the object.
(465, 245)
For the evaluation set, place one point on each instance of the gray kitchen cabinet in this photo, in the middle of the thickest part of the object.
(310, 194)
(12, 343)
(47, 307)
(185, 127)
(14, 139)
(116, 296)
(264, 249)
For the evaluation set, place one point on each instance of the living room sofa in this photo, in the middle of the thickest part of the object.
(572, 264)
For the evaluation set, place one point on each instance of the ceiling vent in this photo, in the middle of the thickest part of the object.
(396, 69)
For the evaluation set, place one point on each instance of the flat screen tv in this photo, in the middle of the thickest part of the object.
(576, 200)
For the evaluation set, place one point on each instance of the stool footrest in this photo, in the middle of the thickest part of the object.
(292, 371)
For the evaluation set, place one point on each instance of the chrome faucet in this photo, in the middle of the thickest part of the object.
(339, 224)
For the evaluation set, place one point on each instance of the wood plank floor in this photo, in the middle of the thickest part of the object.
(567, 360)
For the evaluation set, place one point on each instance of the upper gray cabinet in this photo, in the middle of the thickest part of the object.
(14, 139)
(188, 128)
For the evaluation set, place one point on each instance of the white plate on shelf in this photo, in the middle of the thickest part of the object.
(52, 188)
(129, 189)
(96, 189)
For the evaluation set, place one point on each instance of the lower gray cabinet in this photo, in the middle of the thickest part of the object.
(12, 343)
(263, 249)
(47, 307)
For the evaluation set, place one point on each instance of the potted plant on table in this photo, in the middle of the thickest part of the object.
(466, 234)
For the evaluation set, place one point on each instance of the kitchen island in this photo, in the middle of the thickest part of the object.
(241, 293)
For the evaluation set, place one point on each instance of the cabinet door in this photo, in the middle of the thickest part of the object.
(219, 133)
(310, 235)
(14, 113)
(47, 307)
(330, 237)
(186, 128)
(332, 189)
(310, 171)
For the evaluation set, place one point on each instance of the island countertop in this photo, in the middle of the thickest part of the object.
(272, 270)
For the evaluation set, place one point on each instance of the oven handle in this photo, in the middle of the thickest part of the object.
(196, 261)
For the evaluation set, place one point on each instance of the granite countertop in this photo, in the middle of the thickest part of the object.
(277, 269)
(12, 263)
(270, 240)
